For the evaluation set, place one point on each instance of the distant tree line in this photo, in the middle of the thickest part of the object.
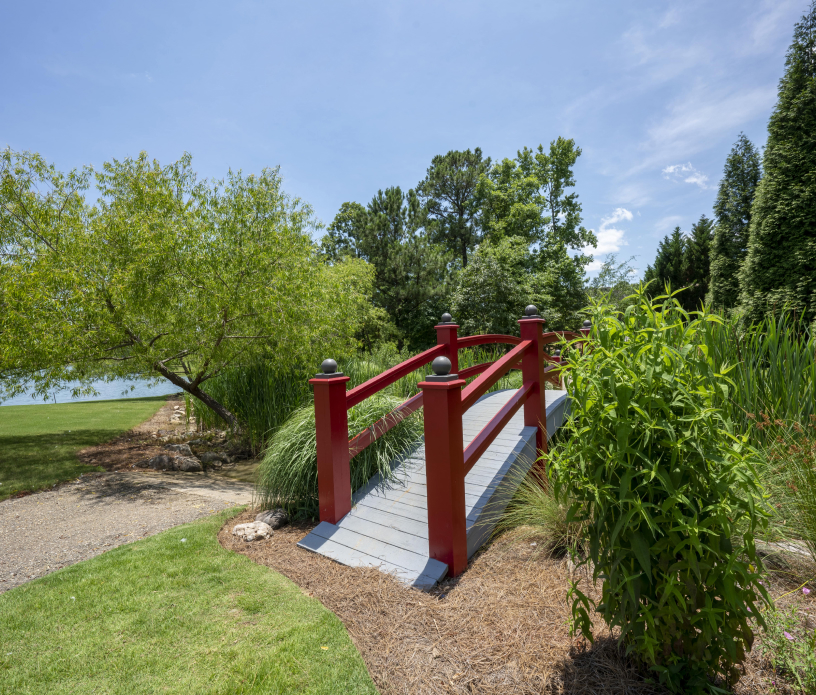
(477, 238)
(758, 255)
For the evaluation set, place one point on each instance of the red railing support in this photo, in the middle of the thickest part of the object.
(331, 424)
(445, 470)
(532, 370)
(446, 334)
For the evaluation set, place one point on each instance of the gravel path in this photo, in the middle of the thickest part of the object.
(43, 532)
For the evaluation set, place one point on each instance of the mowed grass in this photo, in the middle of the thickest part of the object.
(39, 443)
(174, 613)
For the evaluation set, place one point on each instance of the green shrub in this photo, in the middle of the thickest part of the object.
(669, 493)
(287, 475)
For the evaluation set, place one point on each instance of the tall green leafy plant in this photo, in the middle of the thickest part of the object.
(669, 493)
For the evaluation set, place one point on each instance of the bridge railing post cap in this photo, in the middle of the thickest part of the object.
(441, 366)
(328, 366)
(447, 318)
(530, 311)
(587, 324)
(557, 352)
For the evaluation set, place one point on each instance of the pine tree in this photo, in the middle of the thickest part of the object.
(780, 266)
(696, 265)
(668, 265)
(733, 212)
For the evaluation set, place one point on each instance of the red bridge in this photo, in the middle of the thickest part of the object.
(444, 498)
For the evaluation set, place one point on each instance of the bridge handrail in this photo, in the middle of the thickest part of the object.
(487, 338)
(490, 376)
(388, 377)
(491, 430)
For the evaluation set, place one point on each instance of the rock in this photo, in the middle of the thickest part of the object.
(182, 449)
(275, 518)
(188, 464)
(209, 457)
(196, 442)
(162, 462)
(255, 531)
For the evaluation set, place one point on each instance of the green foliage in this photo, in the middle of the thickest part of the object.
(780, 266)
(614, 284)
(448, 195)
(790, 646)
(669, 491)
(39, 443)
(164, 616)
(409, 271)
(696, 264)
(733, 212)
(164, 276)
(538, 512)
(772, 368)
(668, 264)
(493, 290)
(288, 473)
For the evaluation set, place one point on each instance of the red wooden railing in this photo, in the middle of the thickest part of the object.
(445, 398)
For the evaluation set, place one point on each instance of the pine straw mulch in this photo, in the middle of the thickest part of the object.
(501, 627)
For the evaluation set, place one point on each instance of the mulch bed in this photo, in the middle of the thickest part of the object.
(501, 627)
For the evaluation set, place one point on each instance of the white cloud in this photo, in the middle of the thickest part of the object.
(610, 239)
(686, 173)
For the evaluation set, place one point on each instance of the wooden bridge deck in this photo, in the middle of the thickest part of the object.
(387, 526)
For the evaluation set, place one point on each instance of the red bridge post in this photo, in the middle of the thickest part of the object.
(331, 424)
(446, 334)
(445, 466)
(532, 370)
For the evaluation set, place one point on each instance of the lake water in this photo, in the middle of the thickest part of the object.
(107, 391)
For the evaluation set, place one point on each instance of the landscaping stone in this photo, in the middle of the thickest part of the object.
(182, 449)
(275, 518)
(255, 531)
(188, 464)
(213, 457)
(162, 462)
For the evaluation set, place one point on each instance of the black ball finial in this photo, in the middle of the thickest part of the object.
(531, 310)
(328, 366)
(557, 353)
(587, 324)
(447, 318)
(441, 366)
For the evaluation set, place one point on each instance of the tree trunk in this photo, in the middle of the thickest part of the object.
(205, 398)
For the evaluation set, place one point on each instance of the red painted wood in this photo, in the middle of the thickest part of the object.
(472, 340)
(379, 428)
(446, 334)
(331, 424)
(491, 430)
(479, 368)
(445, 473)
(388, 377)
(532, 370)
(479, 386)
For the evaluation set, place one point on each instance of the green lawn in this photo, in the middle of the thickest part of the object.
(38, 443)
(168, 615)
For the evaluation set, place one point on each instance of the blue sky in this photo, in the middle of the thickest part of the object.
(350, 97)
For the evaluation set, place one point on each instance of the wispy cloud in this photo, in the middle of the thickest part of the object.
(685, 173)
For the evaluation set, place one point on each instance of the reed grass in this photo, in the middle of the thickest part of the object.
(287, 476)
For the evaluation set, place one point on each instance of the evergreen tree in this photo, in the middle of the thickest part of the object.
(668, 265)
(780, 266)
(448, 196)
(696, 264)
(733, 212)
(409, 270)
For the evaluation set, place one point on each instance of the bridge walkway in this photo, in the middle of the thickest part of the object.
(387, 526)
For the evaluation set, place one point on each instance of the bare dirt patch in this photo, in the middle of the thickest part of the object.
(502, 627)
(141, 442)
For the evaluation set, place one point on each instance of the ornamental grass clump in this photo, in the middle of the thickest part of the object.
(669, 493)
(287, 475)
